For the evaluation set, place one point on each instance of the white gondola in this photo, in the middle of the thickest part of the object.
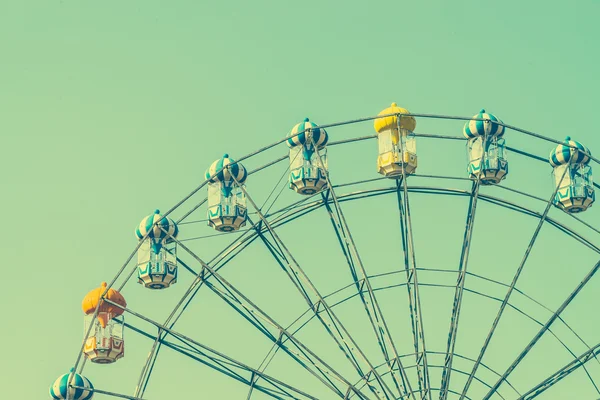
(572, 174)
(227, 210)
(157, 254)
(486, 149)
(308, 168)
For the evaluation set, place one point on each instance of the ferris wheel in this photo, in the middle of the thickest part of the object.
(355, 269)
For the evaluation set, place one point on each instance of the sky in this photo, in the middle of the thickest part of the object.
(110, 110)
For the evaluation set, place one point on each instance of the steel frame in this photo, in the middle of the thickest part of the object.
(322, 311)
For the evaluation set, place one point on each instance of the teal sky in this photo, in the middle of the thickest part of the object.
(110, 109)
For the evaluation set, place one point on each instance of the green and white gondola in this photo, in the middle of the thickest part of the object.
(486, 148)
(308, 171)
(227, 210)
(575, 189)
(82, 390)
(157, 255)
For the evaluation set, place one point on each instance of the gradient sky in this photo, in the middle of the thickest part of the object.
(110, 109)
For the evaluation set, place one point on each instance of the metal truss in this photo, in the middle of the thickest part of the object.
(367, 296)
(277, 333)
(414, 302)
(562, 373)
(320, 308)
(217, 360)
(511, 289)
(361, 281)
(543, 330)
(302, 209)
(458, 293)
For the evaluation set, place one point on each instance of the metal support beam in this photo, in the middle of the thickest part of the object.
(326, 316)
(414, 302)
(217, 355)
(219, 261)
(561, 373)
(376, 318)
(410, 265)
(291, 213)
(458, 293)
(303, 358)
(543, 330)
(362, 283)
(234, 370)
(511, 288)
(244, 305)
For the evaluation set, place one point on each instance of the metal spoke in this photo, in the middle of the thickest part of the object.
(414, 303)
(344, 342)
(212, 358)
(460, 284)
(205, 358)
(317, 303)
(511, 288)
(220, 260)
(223, 258)
(410, 266)
(302, 357)
(361, 281)
(369, 301)
(543, 330)
(561, 373)
(244, 305)
(263, 366)
(348, 297)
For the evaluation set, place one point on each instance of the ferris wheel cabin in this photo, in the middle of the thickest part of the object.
(105, 343)
(397, 143)
(227, 210)
(572, 176)
(486, 149)
(61, 388)
(157, 254)
(308, 158)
